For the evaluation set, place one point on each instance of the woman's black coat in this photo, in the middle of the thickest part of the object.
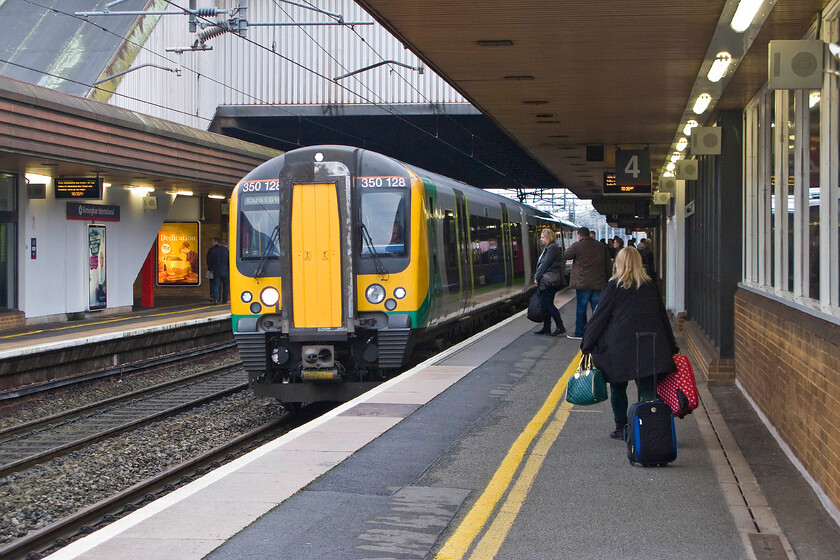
(550, 259)
(611, 333)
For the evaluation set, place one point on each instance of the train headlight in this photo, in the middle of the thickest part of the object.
(246, 297)
(269, 296)
(391, 304)
(399, 293)
(375, 293)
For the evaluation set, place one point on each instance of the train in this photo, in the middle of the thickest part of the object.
(343, 259)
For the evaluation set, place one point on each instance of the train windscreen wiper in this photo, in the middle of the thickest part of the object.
(275, 237)
(377, 261)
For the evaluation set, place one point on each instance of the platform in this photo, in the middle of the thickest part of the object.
(474, 454)
(44, 355)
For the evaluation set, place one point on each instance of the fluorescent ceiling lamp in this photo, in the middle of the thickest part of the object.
(37, 179)
(676, 156)
(682, 144)
(106, 185)
(668, 174)
(142, 191)
(813, 99)
(702, 103)
(184, 193)
(745, 14)
(671, 166)
(719, 66)
(216, 196)
(688, 126)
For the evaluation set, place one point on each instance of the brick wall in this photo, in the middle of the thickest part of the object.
(11, 320)
(789, 363)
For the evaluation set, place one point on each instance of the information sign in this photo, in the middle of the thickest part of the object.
(632, 167)
(78, 187)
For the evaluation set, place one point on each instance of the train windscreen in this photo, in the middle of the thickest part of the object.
(258, 218)
(384, 223)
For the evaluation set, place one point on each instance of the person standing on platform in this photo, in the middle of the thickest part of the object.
(646, 252)
(548, 279)
(629, 304)
(224, 269)
(591, 266)
(214, 268)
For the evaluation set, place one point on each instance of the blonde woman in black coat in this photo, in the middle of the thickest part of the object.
(630, 304)
(550, 261)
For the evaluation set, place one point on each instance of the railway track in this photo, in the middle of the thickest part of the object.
(25, 445)
(45, 541)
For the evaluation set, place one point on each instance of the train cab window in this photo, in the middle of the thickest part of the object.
(385, 231)
(258, 218)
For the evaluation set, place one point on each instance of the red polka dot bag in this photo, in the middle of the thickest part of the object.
(679, 389)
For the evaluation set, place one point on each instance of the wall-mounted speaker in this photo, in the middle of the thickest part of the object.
(661, 197)
(795, 64)
(668, 184)
(705, 140)
(686, 170)
(149, 203)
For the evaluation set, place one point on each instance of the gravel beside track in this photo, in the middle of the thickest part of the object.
(60, 400)
(46, 493)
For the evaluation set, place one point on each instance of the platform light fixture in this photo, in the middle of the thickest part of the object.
(671, 166)
(682, 144)
(745, 14)
(217, 196)
(688, 126)
(702, 103)
(719, 66)
(141, 191)
(813, 99)
(676, 156)
(35, 178)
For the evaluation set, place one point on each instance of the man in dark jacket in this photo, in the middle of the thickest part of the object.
(591, 268)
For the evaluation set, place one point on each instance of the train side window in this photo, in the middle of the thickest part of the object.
(450, 251)
(384, 218)
(518, 255)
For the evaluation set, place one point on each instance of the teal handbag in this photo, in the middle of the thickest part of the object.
(587, 385)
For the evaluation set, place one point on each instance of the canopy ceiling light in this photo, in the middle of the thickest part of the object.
(702, 103)
(719, 66)
(745, 14)
(682, 144)
(688, 126)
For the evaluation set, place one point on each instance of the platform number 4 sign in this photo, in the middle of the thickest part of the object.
(632, 167)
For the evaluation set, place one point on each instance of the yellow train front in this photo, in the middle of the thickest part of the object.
(342, 258)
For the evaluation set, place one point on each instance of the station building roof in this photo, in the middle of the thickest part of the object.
(57, 134)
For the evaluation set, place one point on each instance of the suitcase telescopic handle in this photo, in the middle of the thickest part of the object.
(639, 336)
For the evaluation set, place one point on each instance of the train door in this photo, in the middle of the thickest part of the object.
(506, 244)
(464, 250)
(436, 288)
(316, 256)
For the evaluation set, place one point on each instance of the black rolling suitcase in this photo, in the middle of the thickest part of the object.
(651, 439)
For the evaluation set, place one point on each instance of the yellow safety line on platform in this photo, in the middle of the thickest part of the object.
(459, 543)
(107, 321)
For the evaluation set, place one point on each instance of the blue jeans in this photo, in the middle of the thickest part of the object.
(584, 299)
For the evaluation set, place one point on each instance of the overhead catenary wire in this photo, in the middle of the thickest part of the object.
(365, 142)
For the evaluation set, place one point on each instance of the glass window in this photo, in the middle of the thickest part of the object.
(8, 241)
(384, 221)
(813, 216)
(791, 183)
(259, 214)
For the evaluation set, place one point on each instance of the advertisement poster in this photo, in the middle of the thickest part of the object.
(178, 253)
(97, 287)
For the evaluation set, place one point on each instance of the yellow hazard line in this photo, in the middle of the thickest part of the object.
(107, 321)
(474, 522)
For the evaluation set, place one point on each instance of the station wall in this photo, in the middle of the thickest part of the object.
(54, 283)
